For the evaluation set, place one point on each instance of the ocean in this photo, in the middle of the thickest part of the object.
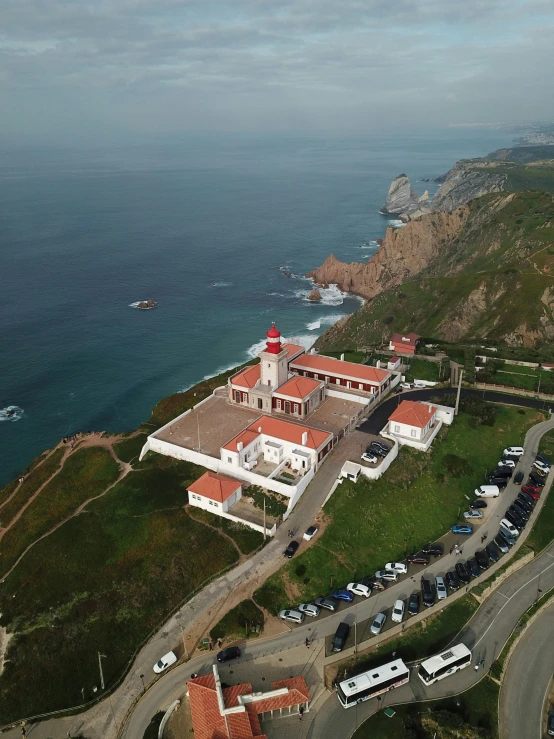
(206, 226)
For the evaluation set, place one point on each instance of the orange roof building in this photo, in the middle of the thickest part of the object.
(404, 343)
(298, 388)
(280, 430)
(214, 486)
(235, 712)
(411, 413)
(337, 372)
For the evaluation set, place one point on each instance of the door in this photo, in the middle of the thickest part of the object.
(287, 406)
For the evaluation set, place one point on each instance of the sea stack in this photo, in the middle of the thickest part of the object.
(315, 295)
(401, 198)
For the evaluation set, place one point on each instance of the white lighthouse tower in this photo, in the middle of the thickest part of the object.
(273, 361)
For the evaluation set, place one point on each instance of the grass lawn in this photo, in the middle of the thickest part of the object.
(128, 450)
(547, 445)
(420, 369)
(86, 473)
(416, 501)
(102, 582)
(28, 488)
(242, 622)
(476, 717)
(244, 537)
(424, 639)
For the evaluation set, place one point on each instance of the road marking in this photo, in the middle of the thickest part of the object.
(509, 599)
(504, 596)
(549, 555)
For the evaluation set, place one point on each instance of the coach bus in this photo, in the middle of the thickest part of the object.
(445, 664)
(372, 683)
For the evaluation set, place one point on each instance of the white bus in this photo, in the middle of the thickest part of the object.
(445, 664)
(372, 683)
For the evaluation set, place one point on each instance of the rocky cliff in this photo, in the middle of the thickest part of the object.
(467, 181)
(404, 253)
(401, 198)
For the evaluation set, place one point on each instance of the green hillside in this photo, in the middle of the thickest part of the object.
(494, 280)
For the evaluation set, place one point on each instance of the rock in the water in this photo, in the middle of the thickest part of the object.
(314, 295)
(401, 198)
(146, 304)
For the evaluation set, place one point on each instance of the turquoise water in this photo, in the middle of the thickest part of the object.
(202, 226)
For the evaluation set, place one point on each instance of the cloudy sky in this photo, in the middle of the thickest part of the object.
(151, 67)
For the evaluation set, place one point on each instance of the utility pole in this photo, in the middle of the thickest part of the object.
(198, 427)
(265, 535)
(459, 391)
(100, 658)
(185, 650)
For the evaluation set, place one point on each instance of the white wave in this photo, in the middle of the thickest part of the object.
(222, 284)
(313, 325)
(136, 305)
(329, 296)
(256, 348)
(305, 340)
(396, 223)
(325, 321)
(278, 295)
(11, 413)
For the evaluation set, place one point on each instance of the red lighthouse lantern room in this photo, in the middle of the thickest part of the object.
(273, 340)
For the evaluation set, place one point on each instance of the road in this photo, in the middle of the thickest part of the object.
(103, 720)
(527, 680)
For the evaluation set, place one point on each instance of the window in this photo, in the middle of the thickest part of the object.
(278, 404)
(397, 428)
(414, 432)
(260, 403)
(230, 460)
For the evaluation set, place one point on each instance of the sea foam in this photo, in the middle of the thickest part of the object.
(11, 413)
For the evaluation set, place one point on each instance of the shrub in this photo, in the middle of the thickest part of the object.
(457, 466)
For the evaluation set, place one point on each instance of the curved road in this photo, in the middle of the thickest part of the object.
(526, 681)
(102, 720)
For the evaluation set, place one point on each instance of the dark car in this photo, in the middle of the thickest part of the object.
(502, 472)
(492, 552)
(327, 603)
(413, 604)
(452, 580)
(482, 559)
(502, 543)
(462, 570)
(523, 505)
(418, 559)
(521, 508)
(515, 520)
(518, 478)
(374, 583)
(291, 549)
(478, 504)
(504, 537)
(550, 724)
(518, 514)
(435, 549)
(536, 480)
(526, 498)
(428, 592)
(377, 448)
(500, 482)
(341, 635)
(544, 459)
(228, 653)
(473, 567)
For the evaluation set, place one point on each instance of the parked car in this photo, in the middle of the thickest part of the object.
(427, 592)
(327, 603)
(452, 580)
(513, 457)
(506, 536)
(345, 595)
(500, 482)
(515, 451)
(371, 458)
(378, 623)
(509, 527)
(310, 532)
(544, 458)
(341, 635)
(373, 583)
(541, 466)
(507, 463)
(379, 447)
(492, 552)
(479, 503)
(482, 559)
(166, 661)
(397, 613)
(473, 567)
(520, 509)
(502, 471)
(540, 473)
(550, 723)
(442, 592)
(228, 654)
(291, 549)
(523, 505)
(406, 385)
(513, 517)
(526, 500)
(487, 491)
(398, 567)
(536, 479)
(518, 478)
(292, 615)
(462, 528)
(473, 514)
(389, 575)
(533, 491)
(358, 589)
(501, 542)
(463, 572)
(413, 604)
(418, 559)
(437, 549)
(309, 609)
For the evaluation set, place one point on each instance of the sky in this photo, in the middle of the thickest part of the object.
(101, 68)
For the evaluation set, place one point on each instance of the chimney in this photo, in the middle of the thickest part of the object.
(342, 357)
(304, 438)
(259, 429)
(240, 446)
(378, 364)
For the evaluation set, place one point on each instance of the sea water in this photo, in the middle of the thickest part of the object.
(208, 227)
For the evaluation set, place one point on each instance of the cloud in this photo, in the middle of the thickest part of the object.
(169, 65)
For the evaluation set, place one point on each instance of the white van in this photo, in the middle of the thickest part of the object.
(487, 491)
(166, 661)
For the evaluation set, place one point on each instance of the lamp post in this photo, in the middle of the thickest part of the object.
(100, 658)
(143, 686)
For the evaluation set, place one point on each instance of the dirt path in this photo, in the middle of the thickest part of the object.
(89, 441)
(16, 489)
(242, 556)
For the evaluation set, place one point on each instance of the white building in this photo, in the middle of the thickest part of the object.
(214, 492)
(417, 424)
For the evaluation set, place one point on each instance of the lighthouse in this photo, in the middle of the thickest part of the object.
(273, 361)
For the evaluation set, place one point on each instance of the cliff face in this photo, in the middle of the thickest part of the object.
(401, 198)
(405, 252)
(464, 182)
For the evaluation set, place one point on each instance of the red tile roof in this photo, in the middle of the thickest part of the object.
(280, 429)
(248, 377)
(413, 414)
(208, 722)
(405, 342)
(334, 367)
(292, 349)
(214, 486)
(298, 387)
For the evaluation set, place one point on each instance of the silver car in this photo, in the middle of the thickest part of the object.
(290, 615)
(473, 514)
(387, 575)
(442, 592)
(309, 609)
(378, 623)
